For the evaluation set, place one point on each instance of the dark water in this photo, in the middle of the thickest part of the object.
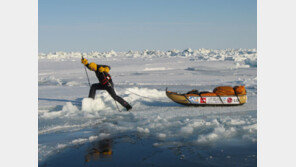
(137, 151)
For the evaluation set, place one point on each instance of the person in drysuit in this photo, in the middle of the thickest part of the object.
(105, 82)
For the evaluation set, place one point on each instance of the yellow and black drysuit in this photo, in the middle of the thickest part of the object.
(102, 73)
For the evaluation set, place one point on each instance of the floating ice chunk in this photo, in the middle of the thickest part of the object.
(103, 135)
(186, 130)
(215, 122)
(218, 133)
(161, 136)
(158, 118)
(93, 138)
(197, 123)
(230, 132)
(236, 122)
(251, 128)
(79, 141)
(90, 106)
(143, 130)
(156, 144)
(61, 146)
(51, 115)
(70, 109)
(248, 137)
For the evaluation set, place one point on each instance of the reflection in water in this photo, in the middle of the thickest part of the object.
(101, 150)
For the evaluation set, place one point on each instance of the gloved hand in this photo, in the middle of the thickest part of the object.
(84, 61)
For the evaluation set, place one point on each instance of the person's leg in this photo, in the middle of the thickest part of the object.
(118, 98)
(93, 88)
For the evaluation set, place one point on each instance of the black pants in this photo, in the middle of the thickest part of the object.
(109, 89)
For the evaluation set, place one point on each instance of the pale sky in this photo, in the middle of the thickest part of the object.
(97, 25)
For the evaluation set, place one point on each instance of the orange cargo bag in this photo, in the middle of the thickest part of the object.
(224, 90)
(240, 90)
(208, 94)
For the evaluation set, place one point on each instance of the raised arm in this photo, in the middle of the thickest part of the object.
(92, 66)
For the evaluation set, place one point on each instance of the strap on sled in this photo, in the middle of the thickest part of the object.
(201, 98)
(220, 99)
(237, 96)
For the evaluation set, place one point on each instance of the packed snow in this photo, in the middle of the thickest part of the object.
(68, 118)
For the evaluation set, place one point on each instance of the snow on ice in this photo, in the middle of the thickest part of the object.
(64, 107)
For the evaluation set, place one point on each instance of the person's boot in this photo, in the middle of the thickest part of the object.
(128, 107)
